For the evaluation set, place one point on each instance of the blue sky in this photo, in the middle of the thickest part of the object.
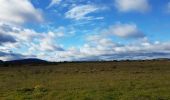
(75, 30)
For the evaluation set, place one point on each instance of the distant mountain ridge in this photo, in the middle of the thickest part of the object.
(29, 61)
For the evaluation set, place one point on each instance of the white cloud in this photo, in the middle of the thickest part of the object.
(41, 42)
(146, 50)
(125, 31)
(54, 2)
(18, 12)
(47, 43)
(101, 47)
(30, 43)
(25, 41)
(132, 5)
(81, 12)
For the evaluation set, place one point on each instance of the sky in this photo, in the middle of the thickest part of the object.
(84, 30)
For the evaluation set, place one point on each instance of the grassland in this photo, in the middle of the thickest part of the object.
(137, 80)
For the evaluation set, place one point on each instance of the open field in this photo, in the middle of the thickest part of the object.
(137, 80)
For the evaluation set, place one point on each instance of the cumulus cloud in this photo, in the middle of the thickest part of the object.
(125, 31)
(132, 5)
(54, 2)
(48, 44)
(26, 42)
(18, 12)
(6, 39)
(81, 12)
(96, 47)
(6, 56)
(100, 47)
(133, 51)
